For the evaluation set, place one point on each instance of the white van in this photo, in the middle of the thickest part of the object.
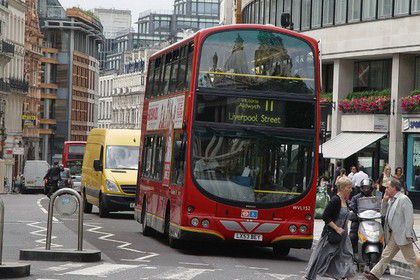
(34, 173)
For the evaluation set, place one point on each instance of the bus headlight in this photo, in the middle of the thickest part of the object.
(205, 223)
(195, 222)
(303, 229)
(111, 186)
(293, 228)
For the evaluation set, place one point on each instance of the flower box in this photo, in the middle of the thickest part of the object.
(411, 104)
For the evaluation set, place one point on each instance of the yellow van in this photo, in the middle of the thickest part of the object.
(109, 172)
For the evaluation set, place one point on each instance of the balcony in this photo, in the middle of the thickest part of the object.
(4, 3)
(7, 51)
(19, 85)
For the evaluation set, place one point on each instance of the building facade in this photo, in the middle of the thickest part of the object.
(32, 102)
(113, 21)
(70, 76)
(368, 55)
(106, 85)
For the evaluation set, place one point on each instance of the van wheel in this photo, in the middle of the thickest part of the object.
(146, 230)
(87, 207)
(23, 189)
(280, 252)
(103, 211)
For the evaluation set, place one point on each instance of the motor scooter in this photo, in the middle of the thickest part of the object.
(370, 232)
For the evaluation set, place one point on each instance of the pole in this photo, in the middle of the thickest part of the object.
(238, 12)
(1, 229)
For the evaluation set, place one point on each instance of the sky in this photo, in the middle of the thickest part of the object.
(136, 6)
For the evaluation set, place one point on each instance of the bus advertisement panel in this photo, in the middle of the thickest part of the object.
(230, 138)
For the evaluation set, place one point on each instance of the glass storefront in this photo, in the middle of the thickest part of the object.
(413, 163)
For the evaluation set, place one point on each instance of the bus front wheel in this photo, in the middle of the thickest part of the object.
(280, 252)
(146, 230)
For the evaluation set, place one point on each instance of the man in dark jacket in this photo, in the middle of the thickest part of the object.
(52, 177)
(366, 190)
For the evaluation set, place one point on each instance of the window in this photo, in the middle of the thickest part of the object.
(174, 71)
(122, 157)
(178, 159)
(189, 65)
(296, 15)
(415, 6)
(279, 12)
(372, 75)
(354, 10)
(273, 11)
(153, 157)
(340, 11)
(316, 13)
(306, 14)
(369, 9)
(384, 8)
(417, 73)
(401, 7)
(328, 15)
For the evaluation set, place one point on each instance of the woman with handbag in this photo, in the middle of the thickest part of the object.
(333, 255)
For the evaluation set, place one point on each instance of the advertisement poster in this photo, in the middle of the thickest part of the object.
(162, 113)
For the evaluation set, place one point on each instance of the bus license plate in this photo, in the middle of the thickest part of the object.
(132, 205)
(248, 236)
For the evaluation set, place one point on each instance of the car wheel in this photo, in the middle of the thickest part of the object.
(280, 252)
(87, 207)
(103, 211)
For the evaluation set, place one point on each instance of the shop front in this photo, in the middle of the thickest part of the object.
(411, 130)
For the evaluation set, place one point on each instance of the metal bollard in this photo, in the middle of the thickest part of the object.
(50, 217)
(1, 229)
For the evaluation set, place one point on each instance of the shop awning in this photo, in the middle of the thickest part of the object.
(348, 143)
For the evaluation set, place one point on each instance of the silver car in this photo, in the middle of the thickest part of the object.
(77, 183)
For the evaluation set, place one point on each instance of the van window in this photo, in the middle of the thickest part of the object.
(153, 157)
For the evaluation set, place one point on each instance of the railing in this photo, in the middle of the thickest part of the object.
(4, 86)
(18, 84)
(4, 3)
(7, 47)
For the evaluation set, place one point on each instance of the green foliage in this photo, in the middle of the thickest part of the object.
(415, 92)
(370, 93)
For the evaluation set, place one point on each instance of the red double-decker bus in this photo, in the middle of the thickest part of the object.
(72, 156)
(229, 144)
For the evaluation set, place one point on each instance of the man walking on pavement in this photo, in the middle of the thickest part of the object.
(53, 176)
(399, 231)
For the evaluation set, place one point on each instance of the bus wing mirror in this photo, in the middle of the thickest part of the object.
(97, 165)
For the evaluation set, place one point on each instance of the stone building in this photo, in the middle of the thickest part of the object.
(32, 102)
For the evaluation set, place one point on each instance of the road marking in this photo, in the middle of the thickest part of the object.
(64, 267)
(281, 276)
(199, 264)
(102, 270)
(124, 245)
(258, 268)
(38, 233)
(38, 202)
(184, 273)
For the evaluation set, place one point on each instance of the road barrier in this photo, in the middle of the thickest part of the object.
(78, 255)
(10, 270)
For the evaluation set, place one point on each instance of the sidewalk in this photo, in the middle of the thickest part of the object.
(399, 259)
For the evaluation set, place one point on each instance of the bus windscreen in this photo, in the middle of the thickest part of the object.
(257, 60)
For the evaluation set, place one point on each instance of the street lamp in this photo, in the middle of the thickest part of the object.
(3, 135)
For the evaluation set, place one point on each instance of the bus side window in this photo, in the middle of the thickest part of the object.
(150, 81)
(178, 160)
(189, 65)
(182, 69)
(174, 71)
(153, 157)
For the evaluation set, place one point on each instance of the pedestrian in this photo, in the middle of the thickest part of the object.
(353, 170)
(333, 255)
(334, 186)
(357, 181)
(398, 229)
(399, 176)
(337, 171)
(383, 180)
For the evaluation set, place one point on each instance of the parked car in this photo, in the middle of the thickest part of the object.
(33, 175)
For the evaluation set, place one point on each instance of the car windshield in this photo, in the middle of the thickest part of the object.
(257, 60)
(251, 166)
(122, 157)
